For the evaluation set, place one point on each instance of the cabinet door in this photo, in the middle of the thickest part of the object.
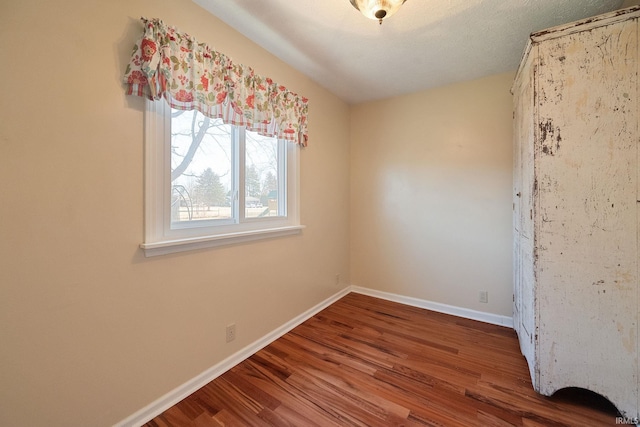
(587, 232)
(524, 278)
(517, 194)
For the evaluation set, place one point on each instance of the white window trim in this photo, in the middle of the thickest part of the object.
(160, 239)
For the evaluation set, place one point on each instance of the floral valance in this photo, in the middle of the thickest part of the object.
(191, 75)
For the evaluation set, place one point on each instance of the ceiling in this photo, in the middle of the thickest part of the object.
(427, 43)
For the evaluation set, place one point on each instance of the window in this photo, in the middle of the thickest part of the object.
(208, 183)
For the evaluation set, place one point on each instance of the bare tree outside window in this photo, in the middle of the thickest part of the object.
(201, 167)
(262, 164)
(209, 184)
(202, 186)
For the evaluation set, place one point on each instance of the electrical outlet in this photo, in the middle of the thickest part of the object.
(231, 332)
(337, 279)
(484, 296)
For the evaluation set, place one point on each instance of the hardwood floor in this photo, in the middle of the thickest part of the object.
(370, 362)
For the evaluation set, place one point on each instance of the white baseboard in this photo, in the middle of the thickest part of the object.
(176, 395)
(466, 313)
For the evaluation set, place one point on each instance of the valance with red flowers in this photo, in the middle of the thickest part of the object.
(191, 75)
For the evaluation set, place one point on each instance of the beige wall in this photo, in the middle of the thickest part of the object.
(90, 330)
(431, 194)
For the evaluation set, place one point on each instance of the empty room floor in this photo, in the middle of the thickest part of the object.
(364, 361)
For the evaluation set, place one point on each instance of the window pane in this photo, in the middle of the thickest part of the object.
(263, 176)
(201, 168)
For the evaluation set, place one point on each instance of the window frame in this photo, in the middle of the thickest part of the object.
(160, 238)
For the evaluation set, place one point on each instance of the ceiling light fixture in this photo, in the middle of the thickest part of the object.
(377, 9)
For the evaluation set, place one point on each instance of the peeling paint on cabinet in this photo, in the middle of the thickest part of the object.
(576, 201)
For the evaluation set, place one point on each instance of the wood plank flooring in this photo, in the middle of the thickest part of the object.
(370, 362)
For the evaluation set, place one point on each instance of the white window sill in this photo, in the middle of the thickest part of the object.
(188, 244)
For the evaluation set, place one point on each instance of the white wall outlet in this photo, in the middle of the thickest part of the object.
(231, 332)
(484, 296)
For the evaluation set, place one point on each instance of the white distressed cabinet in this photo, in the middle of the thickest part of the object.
(576, 201)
